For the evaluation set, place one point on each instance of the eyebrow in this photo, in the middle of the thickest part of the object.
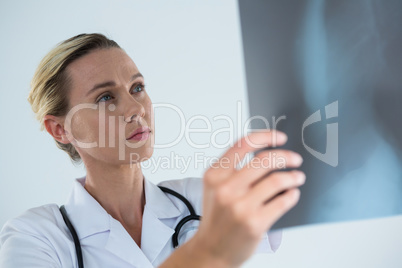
(111, 83)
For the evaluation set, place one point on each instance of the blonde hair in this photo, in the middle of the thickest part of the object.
(50, 84)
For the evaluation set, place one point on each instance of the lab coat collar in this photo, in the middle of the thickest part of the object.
(86, 214)
(90, 217)
(155, 233)
(158, 202)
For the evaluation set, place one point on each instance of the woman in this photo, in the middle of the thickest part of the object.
(89, 95)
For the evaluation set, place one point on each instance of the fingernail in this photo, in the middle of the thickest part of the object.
(281, 137)
(297, 158)
(301, 177)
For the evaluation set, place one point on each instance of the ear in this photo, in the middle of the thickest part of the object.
(55, 127)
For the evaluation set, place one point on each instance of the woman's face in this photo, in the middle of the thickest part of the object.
(106, 90)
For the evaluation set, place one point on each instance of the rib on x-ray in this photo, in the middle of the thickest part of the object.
(329, 73)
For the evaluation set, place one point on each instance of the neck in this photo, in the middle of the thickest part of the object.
(120, 191)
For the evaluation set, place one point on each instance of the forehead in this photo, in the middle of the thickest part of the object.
(101, 65)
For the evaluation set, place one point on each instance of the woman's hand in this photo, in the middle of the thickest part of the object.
(239, 205)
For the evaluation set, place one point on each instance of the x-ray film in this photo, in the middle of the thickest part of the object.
(329, 74)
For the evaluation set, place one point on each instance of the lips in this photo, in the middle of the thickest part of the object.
(139, 132)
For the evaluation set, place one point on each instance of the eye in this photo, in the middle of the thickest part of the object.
(139, 88)
(105, 98)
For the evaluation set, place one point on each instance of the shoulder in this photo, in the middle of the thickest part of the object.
(37, 220)
(191, 188)
(34, 236)
(34, 220)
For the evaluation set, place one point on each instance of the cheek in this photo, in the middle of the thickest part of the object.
(112, 129)
(85, 126)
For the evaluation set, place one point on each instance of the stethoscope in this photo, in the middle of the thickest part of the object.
(192, 216)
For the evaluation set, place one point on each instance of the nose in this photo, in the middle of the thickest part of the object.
(130, 118)
(133, 110)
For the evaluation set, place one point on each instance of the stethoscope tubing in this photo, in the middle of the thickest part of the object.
(75, 236)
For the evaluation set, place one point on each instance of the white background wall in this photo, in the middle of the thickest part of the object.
(191, 56)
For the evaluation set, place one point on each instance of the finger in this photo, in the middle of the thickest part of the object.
(278, 206)
(273, 185)
(256, 140)
(264, 163)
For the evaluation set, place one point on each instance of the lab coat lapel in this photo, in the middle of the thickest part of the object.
(86, 214)
(90, 218)
(155, 233)
(123, 246)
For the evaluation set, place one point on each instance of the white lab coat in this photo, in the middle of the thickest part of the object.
(40, 237)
